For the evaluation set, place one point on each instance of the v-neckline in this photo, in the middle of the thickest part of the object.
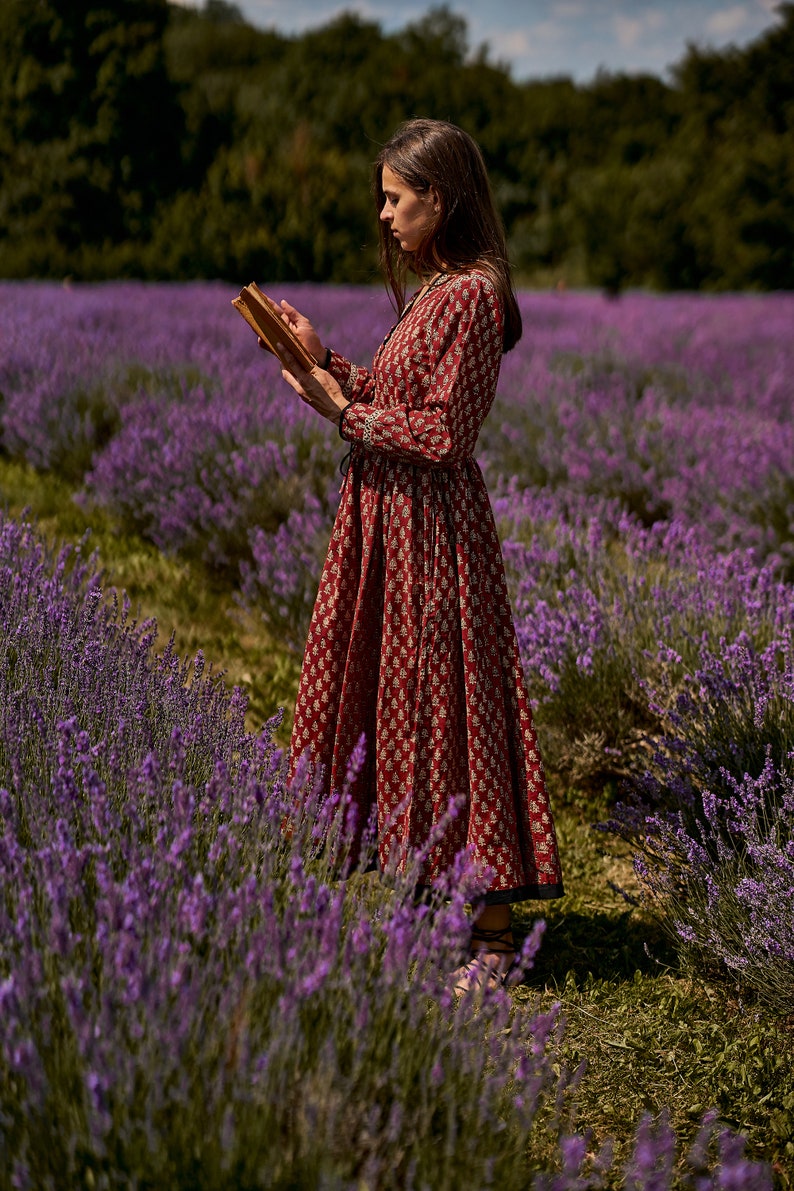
(422, 293)
(409, 305)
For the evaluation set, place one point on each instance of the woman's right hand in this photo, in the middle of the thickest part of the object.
(317, 388)
(303, 329)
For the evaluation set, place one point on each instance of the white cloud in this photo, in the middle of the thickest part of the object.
(567, 10)
(728, 21)
(628, 30)
(545, 34)
(511, 44)
(531, 45)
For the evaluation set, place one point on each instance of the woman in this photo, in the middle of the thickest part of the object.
(412, 641)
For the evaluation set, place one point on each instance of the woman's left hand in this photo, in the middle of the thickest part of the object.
(318, 389)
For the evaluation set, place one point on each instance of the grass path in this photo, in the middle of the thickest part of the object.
(652, 1037)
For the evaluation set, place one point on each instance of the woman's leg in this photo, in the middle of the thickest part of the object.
(492, 937)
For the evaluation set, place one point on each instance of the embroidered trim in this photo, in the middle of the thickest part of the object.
(367, 434)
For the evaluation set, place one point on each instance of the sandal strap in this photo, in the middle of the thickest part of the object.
(481, 934)
(476, 971)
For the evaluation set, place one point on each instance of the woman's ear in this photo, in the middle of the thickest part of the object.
(436, 200)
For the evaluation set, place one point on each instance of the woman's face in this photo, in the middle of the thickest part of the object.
(408, 212)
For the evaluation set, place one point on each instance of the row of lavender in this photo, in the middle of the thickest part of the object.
(191, 996)
(647, 569)
(677, 407)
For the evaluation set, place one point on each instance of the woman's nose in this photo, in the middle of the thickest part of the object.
(386, 212)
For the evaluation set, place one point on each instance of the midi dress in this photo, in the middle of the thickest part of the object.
(412, 644)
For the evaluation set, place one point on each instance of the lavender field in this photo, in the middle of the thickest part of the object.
(191, 996)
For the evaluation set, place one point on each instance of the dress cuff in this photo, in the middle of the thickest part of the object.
(346, 374)
(341, 423)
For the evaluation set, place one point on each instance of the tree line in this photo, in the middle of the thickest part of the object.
(139, 138)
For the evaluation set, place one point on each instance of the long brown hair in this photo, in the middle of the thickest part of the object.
(467, 231)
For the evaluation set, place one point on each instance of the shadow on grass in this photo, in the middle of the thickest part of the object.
(606, 946)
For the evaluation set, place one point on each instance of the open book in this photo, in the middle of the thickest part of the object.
(261, 313)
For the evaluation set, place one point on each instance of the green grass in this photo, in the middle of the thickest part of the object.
(652, 1037)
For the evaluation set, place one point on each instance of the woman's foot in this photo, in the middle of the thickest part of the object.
(492, 950)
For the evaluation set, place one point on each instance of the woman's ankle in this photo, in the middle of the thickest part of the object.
(492, 936)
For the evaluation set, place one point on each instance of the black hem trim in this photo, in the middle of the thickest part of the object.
(506, 897)
(524, 893)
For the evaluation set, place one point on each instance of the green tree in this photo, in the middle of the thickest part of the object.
(90, 129)
(142, 137)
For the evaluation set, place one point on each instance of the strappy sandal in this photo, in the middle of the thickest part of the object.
(479, 971)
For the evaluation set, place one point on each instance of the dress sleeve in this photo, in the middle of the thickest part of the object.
(467, 342)
(357, 384)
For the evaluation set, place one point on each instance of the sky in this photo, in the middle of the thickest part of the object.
(538, 38)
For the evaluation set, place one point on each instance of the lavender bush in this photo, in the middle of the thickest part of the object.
(609, 612)
(195, 475)
(281, 579)
(659, 663)
(196, 986)
(711, 817)
(675, 406)
(723, 879)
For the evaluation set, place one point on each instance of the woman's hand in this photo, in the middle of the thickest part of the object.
(302, 328)
(317, 388)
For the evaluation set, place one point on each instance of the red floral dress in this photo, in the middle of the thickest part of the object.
(412, 643)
